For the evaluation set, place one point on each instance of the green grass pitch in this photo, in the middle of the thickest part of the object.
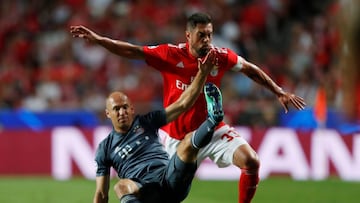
(282, 189)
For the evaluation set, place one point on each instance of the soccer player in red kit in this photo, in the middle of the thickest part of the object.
(178, 66)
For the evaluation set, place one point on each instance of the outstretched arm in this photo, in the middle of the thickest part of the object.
(117, 47)
(189, 96)
(259, 76)
(102, 189)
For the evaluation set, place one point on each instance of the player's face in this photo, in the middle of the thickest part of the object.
(120, 111)
(200, 39)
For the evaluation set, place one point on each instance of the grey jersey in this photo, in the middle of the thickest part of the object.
(138, 154)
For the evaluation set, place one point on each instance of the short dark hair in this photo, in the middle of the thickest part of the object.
(197, 18)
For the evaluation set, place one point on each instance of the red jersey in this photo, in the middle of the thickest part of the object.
(178, 69)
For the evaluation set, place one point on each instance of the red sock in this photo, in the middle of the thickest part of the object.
(247, 185)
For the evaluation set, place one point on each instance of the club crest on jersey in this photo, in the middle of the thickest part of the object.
(138, 130)
(214, 72)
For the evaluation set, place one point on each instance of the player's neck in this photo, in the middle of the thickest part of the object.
(193, 53)
(122, 130)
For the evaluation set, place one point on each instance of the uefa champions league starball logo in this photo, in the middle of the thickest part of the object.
(215, 71)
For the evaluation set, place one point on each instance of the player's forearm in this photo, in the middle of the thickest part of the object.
(98, 198)
(187, 98)
(260, 77)
(121, 48)
(190, 95)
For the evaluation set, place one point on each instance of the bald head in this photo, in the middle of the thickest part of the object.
(120, 111)
(116, 97)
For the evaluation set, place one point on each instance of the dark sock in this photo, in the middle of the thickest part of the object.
(129, 198)
(202, 136)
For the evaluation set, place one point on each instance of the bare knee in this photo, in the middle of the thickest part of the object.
(125, 186)
(246, 157)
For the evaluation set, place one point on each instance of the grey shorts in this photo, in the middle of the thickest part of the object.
(174, 183)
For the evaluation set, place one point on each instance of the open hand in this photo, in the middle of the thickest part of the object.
(286, 98)
(83, 32)
(207, 63)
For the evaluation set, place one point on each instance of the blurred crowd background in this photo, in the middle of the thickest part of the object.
(43, 68)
